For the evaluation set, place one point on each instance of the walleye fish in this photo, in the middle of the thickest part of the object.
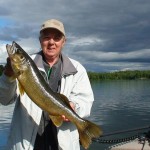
(31, 81)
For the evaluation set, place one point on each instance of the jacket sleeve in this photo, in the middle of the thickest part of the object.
(81, 93)
(7, 90)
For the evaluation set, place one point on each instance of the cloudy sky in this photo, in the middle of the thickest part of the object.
(104, 35)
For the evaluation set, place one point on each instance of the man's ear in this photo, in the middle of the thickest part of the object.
(64, 41)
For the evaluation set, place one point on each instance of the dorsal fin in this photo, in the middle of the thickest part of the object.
(65, 100)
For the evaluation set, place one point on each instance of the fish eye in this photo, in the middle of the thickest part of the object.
(21, 57)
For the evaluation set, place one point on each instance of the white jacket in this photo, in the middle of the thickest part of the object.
(27, 114)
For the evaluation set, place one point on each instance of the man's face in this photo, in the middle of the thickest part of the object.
(52, 41)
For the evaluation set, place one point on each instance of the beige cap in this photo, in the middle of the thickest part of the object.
(53, 23)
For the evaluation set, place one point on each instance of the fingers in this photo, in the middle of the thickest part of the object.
(64, 118)
(73, 107)
(8, 69)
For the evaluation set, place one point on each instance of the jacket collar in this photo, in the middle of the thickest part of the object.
(67, 66)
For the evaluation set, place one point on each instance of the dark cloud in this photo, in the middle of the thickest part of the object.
(4, 11)
(17, 32)
(99, 32)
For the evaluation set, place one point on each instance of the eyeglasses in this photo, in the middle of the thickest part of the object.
(55, 37)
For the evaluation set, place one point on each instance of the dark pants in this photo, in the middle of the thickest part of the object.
(48, 139)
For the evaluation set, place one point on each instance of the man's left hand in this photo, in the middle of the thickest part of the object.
(73, 107)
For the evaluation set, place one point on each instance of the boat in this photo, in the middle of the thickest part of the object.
(134, 139)
(132, 145)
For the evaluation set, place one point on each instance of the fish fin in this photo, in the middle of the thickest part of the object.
(12, 78)
(87, 131)
(21, 89)
(57, 120)
(65, 100)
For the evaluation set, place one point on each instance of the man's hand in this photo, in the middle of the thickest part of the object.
(73, 107)
(8, 69)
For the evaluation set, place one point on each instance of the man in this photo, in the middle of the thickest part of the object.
(31, 128)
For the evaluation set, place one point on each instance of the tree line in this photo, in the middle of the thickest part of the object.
(120, 75)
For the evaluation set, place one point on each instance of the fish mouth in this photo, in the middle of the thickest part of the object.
(11, 49)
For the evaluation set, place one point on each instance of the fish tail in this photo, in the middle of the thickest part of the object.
(87, 131)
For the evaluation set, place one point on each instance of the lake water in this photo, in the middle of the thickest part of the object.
(118, 106)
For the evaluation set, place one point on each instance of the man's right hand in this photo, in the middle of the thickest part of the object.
(8, 69)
